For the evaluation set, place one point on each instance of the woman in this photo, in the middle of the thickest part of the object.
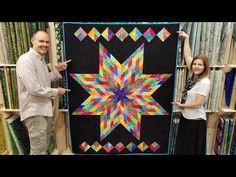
(191, 137)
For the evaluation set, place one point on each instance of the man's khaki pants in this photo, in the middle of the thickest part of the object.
(40, 130)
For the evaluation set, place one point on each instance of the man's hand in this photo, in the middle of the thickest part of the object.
(62, 66)
(61, 91)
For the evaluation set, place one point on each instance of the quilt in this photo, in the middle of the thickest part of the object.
(122, 78)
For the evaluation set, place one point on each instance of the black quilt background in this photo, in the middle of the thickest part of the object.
(159, 58)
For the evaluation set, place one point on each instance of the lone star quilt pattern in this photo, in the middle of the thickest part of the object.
(122, 81)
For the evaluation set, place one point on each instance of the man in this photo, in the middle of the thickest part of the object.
(35, 92)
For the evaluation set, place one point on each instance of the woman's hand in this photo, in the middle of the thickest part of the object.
(187, 50)
(183, 34)
(177, 103)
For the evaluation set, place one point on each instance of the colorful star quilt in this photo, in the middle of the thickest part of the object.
(122, 82)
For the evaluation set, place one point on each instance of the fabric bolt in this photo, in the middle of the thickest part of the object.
(229, 82)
